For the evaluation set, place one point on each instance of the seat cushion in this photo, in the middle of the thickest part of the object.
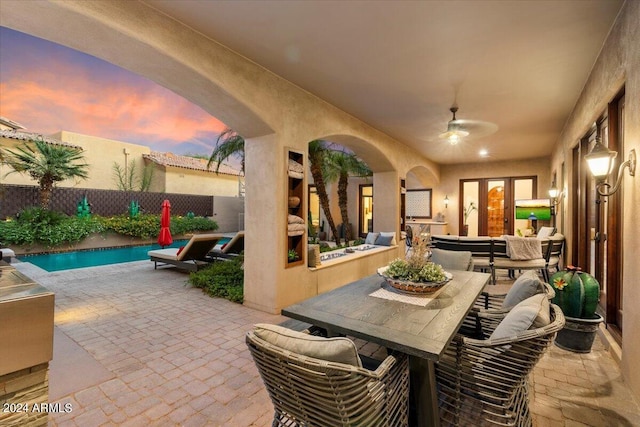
(371, 238)
(525, 286)
(340, 350)
(168, 254)
(533, 312)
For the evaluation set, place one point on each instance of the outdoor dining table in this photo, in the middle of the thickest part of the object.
(421, 332)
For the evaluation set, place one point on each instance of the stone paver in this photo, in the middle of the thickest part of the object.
(179, 357)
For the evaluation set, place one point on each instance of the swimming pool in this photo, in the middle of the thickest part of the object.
(93, 258)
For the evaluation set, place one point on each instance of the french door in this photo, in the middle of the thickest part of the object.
(365, 222)
(494, 199)
(597, 228)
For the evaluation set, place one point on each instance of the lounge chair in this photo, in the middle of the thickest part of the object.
(191, 256)
(229, 248)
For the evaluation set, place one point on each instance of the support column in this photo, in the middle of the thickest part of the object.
(386, 204)
(264, 223)
(268, 284)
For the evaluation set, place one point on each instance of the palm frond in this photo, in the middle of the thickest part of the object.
(228, 144)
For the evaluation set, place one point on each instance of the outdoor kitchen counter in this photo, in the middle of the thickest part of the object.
(26, 316)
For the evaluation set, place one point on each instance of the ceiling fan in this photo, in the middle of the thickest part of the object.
(457, 129)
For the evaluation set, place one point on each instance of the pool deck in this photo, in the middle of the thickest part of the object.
(136, 346)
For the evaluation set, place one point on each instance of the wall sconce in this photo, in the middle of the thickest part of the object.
(600, 161)
(446, 201)
(555, 195)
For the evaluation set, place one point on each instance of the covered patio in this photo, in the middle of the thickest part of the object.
(137, 347)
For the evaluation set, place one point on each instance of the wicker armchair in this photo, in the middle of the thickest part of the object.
(306, 391)
(490, 302)
(493, 301)
(484, 382)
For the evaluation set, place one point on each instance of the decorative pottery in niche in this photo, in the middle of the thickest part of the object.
(294, 201)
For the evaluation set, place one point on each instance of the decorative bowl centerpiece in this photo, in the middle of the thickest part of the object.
(400, 276)
(416, 274)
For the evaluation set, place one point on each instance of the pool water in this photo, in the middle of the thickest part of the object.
(93, 258)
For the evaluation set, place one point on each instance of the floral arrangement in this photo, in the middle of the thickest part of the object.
(401, 269)
(467, 211)
(416, 268)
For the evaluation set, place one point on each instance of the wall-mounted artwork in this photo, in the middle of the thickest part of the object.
(418, 203)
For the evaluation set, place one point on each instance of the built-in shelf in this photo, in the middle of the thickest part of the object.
(295, 191)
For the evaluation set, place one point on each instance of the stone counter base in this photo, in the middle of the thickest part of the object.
(22, 394)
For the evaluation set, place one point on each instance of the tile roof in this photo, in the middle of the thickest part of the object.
(30, 136)
(170, 159)
(8, 122)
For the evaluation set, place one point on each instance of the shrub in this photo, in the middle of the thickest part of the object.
(223, 279)
(49, 228)
(36, 215)
(36, 225)
(144, 225)
(147, 225)
(182, 225)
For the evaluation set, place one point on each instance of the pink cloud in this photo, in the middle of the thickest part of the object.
(62, 96)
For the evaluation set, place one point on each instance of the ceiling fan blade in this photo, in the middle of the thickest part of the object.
(477, 128)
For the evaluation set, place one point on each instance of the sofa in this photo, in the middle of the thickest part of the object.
(492, 253)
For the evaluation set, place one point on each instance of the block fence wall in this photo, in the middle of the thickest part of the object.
(226, 211)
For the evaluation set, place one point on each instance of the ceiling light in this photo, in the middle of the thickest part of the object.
(483, 153)
(454, 132)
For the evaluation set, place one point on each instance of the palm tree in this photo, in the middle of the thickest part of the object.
(318, 153)
(47, 164)
(228, 144)
(339, 166)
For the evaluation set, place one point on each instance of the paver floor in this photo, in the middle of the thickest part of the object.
(178, 358)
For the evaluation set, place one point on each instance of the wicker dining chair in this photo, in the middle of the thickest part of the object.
(525, 285)
(306, 391)
(484, 382)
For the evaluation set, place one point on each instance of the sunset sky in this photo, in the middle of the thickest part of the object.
(47, 88)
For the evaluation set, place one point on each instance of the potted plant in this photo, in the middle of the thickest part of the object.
(466, 211)
(292, 255)
(416, 274)
(577, 294)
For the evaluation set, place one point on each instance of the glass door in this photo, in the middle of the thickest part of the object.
(314, 210)
(365, 224)
(497, 221)
(493, 199)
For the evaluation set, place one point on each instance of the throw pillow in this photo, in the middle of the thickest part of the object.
(392, 234)
(384, 240)
(371, 238)
(452, 260)
(340, 350)
(525, 286)
(532, 312)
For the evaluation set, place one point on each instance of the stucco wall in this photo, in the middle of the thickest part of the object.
(188, 181)
(101, 154)
(618, 65)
